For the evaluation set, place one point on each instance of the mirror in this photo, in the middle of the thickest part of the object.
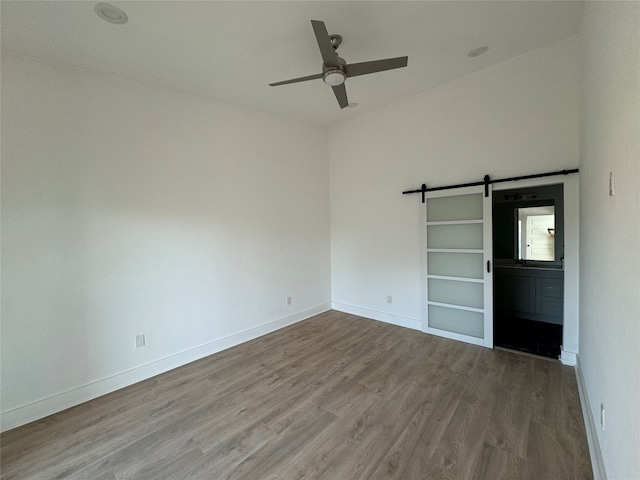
(528, 226)
(536, 233)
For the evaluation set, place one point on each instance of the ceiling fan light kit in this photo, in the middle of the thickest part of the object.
(335, 70)
(334, 77)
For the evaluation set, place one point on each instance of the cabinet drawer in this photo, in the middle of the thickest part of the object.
(549, 287)
(549, 305)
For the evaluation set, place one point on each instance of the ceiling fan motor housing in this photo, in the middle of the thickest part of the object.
(340, 65)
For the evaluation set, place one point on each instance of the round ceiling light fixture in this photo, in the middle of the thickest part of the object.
(334, 77)
(110, 13)
(478, 51)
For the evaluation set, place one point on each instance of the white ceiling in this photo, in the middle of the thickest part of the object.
(230, 51)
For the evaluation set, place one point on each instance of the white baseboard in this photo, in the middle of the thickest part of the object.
(568, 358)
(33, 411)
(597, 463)
(399, 320)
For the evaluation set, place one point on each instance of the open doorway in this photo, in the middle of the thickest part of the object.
(528, 282)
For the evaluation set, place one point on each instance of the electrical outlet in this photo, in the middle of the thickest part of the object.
(288, 300)
(602, 415)
(140, 341)
(389, 299)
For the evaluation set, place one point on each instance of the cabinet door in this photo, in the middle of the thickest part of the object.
(516, 293)
(459, 288)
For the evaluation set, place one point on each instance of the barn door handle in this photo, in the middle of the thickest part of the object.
(488, 266)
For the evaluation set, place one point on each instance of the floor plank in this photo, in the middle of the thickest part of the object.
(334, 397)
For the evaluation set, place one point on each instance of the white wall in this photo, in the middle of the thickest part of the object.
(130, 209)
(610, 230)
(514, 118)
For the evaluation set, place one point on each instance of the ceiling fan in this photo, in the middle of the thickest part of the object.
(335, 70)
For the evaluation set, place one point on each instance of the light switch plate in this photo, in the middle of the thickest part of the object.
(612, 184)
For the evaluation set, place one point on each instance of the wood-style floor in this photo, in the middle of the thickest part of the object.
(334, 397)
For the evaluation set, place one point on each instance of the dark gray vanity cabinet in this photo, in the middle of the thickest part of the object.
(529, 293)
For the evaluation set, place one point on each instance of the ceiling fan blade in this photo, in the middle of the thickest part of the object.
(296, 80)
(329, 55)
(341, 94)
(364, 68)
